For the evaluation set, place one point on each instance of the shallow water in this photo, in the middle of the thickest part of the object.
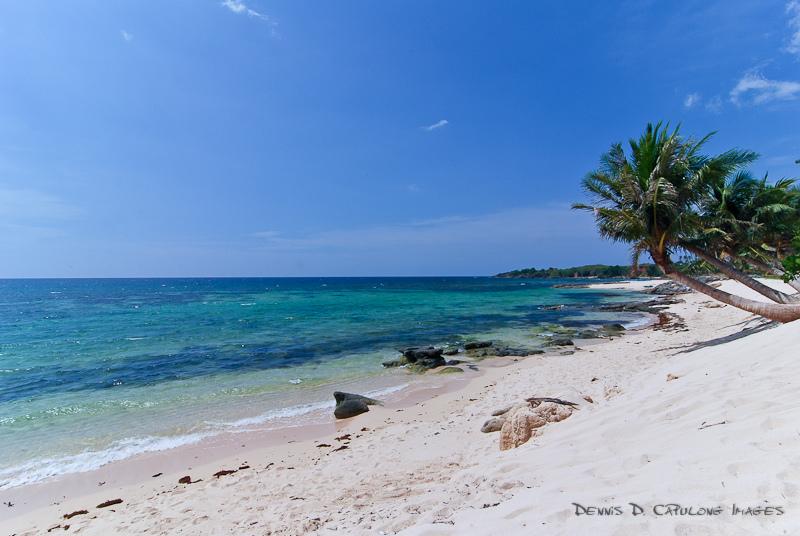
(96, 370)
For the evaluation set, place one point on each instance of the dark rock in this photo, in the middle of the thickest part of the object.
(350, 408)
(414, 354)
(670, 288)
(449, 370)
(588, 334)
(453, 362)
(350, 405)
(613, 328)
(560, 341)
(651, 306)
(395, 363)
(477, 344)
(424, 358)
(450, 350)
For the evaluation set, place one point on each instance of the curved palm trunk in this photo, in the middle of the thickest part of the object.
(741, 277)
(772, 311)
(770, 269)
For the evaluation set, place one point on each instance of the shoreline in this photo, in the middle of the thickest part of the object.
(439, 427)
(309, 408)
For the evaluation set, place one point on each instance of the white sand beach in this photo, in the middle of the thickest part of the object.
(700, 413)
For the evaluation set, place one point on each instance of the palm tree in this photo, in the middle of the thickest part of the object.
(648, 199)
(730, 210)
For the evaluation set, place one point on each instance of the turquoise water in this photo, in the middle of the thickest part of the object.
(98, 370)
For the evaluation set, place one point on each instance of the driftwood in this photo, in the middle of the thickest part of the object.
(112, 502)
(535, 401)
(75, 513)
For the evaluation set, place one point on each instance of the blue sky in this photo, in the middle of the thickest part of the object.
(244, 138)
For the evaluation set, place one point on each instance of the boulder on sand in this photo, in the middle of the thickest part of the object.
(349, 404)
(522, 422)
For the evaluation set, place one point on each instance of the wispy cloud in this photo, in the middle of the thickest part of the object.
(714, 104)
(691, 99)
(21, 205)
(793, 12)
(240, 8)
(128, 37)
(438, 124)
(550, 223)
(27, 216)
(754, 88)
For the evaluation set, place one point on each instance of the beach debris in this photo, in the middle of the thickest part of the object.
(322, 445)
(188, 480)
(346, 437)
(157, 475)
(243, 467)
(704, 425)
(535, 401)
(8, 503)
(223, 472)
(75, 513)
(111, 502)
(588, 399)
(671, 377)
(449, 370)
(349, 404)
(343, 447)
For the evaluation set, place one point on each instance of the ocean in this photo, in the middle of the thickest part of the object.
(97, 370)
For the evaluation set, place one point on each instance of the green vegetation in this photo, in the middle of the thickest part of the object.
(664, 197)
(588, 270)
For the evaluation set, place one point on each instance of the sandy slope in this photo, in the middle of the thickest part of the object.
(428, 470)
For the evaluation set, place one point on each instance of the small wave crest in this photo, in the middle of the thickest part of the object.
(41, 469)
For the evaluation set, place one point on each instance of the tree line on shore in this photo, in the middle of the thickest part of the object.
(665, 197)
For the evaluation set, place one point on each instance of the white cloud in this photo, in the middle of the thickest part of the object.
(438, 124)
(714, 104)
(265, 234)
(240, 8)
(793, 11)
(126, 36)
(756, 89)
(691, 99)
